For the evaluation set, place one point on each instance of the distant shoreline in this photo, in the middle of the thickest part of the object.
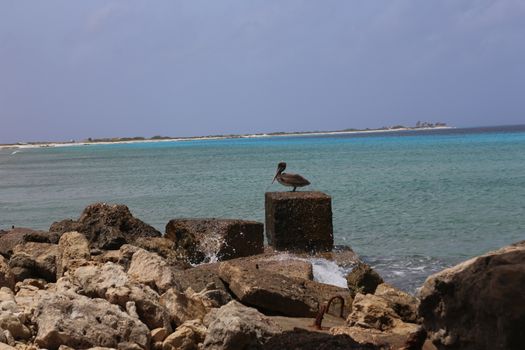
(21, 145)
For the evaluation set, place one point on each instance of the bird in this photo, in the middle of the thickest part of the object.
(290, 180)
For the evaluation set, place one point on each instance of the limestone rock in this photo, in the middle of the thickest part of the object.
(201, 239)
(165, 248)
(199, 277)
(373, 320)
(187, 336)
(7, 278)
(110, 282)
(404, 304)
(305, 340)
(15, 326)
(150, 269)
(237, 327)
(73, 251)
(182, 307)
(20, 235)
(5, 346)
(34, 260)
(277, 293)
(478, 304)
(80, 322)
(159, 334)
(363, 279)
(107, 226)
(371, 311)
(299, 221)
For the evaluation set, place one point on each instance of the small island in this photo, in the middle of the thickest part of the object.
(158, 138)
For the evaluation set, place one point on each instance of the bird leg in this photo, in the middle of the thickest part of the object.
(294, 189)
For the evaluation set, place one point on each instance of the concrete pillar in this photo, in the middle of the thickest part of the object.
(299, 221)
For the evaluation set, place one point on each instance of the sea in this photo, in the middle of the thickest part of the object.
(409, 203)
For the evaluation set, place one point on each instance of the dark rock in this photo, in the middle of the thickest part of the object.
(275, 293)
(363, 279)
(107, 226)
(34, 260)
(20, 235)
(478, 304)
(201, 239)
(299, 221)
(7, 278)
(199, 277)
(305, 340)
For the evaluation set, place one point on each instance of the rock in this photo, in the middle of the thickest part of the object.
(107, 226)
(5, 346)
(182, 307)
(373, 337)
(237, 327)
(14, 325)
(305, 340)
(405, 305)
(277, 293)
(201, 239)
(80, 322)
(164, 247)
(199, 277)
(34, 260)
(159, 334)
(7, 278)
(73, 251)
(372, 311)
(19, 235)
(478, 304)
(362, 279)
(212, 297)
(299, 221)
(374, 321)
(110, 282)
(150, 269)
(186, 337)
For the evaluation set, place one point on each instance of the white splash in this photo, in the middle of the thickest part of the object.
(328, 272)
(210, 246)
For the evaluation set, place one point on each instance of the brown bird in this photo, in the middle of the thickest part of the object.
(290, 180)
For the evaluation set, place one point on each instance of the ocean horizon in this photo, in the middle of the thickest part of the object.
(410, 203)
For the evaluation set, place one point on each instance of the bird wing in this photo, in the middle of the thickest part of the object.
(294, 179)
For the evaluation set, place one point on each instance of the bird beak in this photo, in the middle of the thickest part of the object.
(277, 173)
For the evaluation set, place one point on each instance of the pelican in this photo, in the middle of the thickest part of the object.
(290, 180)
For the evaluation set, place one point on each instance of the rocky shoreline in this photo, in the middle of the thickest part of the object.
(107, 280)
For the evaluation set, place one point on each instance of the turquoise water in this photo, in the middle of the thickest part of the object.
(410, 202)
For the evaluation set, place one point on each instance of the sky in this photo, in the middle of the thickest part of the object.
(79, 69)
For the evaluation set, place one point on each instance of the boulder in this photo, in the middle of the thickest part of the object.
(150, 269)
(187, 336)
(299, 221)
(165, 248)
(308, 340)
(363, 279)
(7, 278)
(478, 304)
(405, 305)
(5, 346)
(14, 325)
(183, 307)
(34, 260)
(373, 320)
(237, 327)
(19, 235)
(73, 251)
(199, 277)
(110, 282)
(107, 226)
(203, 240)
(277, 293)
(80, 322)
(379, 339)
